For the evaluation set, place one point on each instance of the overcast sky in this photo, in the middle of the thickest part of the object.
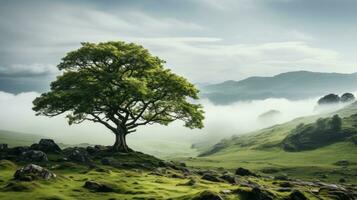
(203, 40)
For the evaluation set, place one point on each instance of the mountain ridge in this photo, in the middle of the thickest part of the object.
(293, 85)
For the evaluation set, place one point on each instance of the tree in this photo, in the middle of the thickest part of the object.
(336, 123)
(321, 124)
(347, 97)
(329, 99)
(122, 86)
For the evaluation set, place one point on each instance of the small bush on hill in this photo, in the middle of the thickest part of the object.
(311, 136)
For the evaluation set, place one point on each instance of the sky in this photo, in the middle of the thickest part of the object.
(207, 41)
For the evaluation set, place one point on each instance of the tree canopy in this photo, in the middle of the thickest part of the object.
(122, 86)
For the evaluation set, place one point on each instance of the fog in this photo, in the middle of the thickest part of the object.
(221, 121)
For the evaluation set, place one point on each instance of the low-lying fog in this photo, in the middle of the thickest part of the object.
(221, 121)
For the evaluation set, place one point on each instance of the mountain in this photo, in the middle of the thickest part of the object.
(291, 85)
(315, 155)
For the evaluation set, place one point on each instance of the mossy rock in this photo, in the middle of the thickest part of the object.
(207, 195)
(94, 186)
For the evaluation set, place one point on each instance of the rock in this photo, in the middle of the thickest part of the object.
(285, 184)
(182, 164)
(256, 194)
(191, 182)
(207, 195)
(19, 150)
(78, 155)
(34, 156)
(230, 179)
(342, 163)
(167, 164)
(226, 191)
(284, 190)
(324, 176)
(47, 145)
(32, 172)
(336, 192)
(177, 176)
(297, 195)
(281, 177)
(91, 149)
(98, 187)
(342, 180)
(101, 148)
(210, 177)
(106, 161)
(3, 147)
(244, 172)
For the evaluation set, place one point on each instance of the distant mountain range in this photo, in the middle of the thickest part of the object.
(291, 85)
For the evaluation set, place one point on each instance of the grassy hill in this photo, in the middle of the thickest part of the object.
(13, 138)
(290, 85)
(262, 151)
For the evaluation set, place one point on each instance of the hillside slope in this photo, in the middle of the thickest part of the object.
(290, 85)
(13, 138)
(262, 151)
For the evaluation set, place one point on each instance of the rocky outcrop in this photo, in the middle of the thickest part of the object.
(98, 187)
(3, 147)
(47, 145)
(34, 156)
(244, 172)
(79, 155)
(210, 177)
(296, 195)
(229, 178)
(207, 195)
(33, 172)
(255, 193)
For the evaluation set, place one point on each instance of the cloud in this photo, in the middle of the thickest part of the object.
(206, 41)
(208, 57)
(21, 70)
(221, 121)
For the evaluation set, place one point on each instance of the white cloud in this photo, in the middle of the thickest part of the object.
(232, 47)
(212, 59)
(21, 70)
(221, 121)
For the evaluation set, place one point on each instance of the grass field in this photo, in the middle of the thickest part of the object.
(311, 165)
(127, 184)
(18, 139)
(260, 151)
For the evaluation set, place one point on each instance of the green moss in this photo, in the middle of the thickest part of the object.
(6, 164)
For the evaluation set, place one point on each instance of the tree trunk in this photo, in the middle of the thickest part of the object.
(120, 143)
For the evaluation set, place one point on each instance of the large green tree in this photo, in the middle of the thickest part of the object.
(122, 86)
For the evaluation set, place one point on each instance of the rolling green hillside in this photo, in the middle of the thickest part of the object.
(18, 139)
(262, 151)
(290, 85)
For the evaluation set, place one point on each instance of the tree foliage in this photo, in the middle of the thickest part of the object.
(329, 99)
(122, 86)
(347, 97)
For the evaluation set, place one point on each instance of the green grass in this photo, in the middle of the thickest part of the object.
(261, 150)
(128, 184)
(306, 164)
(13, 138)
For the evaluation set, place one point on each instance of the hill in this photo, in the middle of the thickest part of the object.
(263, 151)
(13, 138)
(290, 85)
(45, 171)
